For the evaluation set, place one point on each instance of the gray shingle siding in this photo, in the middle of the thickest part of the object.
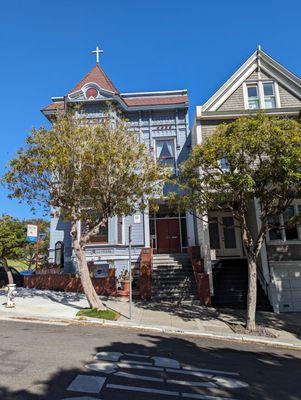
(234, 102)
(287, 99)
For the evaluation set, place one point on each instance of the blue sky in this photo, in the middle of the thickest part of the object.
(148, 45)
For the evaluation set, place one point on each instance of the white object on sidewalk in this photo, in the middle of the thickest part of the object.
(11, 293)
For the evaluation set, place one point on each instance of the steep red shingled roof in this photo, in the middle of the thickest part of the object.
(59, 105)
(159, 100)
(96, 75)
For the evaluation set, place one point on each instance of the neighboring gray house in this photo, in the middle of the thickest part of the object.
(162, 120)
(260, 83)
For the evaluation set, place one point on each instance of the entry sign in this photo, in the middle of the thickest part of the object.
(32, 233)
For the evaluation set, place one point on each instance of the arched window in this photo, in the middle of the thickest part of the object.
(59, 254)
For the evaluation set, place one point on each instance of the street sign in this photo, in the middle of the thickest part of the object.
(32, 233)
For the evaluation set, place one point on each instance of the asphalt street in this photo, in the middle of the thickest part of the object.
(41, 361)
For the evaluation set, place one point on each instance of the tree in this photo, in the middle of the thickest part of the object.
(12, 241)
(255, 157)
(85, 173)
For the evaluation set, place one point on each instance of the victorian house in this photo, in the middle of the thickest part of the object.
(260, 83)
(162, 121)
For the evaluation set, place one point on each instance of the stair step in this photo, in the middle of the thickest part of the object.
(230, 282)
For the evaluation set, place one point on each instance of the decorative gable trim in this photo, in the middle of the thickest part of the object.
(260, 61)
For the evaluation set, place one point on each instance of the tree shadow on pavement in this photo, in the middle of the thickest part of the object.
(270, 374)
(65, 298)
(290, 322)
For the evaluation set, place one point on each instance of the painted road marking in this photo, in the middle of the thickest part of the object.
(137, 366)
(113, 363)
(166, 362)
(191, 383)
(141, 377)
(191, 373)
(108, 356)
(142, 389)
(205, 397)
(82, 398)
(138, 362)
(87, 384)
(135, 355)
(105, 367)
(229, 383)
(213, 371)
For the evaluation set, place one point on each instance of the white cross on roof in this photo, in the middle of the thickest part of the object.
(97, 51)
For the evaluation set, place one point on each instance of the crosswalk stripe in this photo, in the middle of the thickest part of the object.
(142, 389)
(87, 384)
(213, 371)
(137, 366)
(136, 355)
(205, 397)
(141, 377)
(138, 362)
(191, 383)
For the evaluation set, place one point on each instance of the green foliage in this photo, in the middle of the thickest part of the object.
(264, 156)
(30, 249)
(102, 314)
(12, 237)
(87, 172)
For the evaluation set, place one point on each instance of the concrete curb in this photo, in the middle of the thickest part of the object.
(244, 339)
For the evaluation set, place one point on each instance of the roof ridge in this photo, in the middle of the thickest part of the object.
(107, 78)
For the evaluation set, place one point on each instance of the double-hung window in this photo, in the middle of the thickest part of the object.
(253, 97)
(261, 95)
(269, 95)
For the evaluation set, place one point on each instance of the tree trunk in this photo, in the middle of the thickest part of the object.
(252, 293)
(8, 271)
(85, 278)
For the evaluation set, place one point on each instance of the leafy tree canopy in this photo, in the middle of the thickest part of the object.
(12, 237)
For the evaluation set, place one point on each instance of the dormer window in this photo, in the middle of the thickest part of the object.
(253, 97)
(269, 95)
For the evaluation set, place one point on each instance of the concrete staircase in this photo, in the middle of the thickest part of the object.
(173, 279)
(230, 283)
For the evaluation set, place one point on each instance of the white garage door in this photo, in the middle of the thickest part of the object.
(287, 279)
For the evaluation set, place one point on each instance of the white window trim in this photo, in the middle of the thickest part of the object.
(282, 229)
(160, 139)
(259, 85)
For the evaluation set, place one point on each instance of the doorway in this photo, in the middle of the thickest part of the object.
(225, 237)
(168, 236)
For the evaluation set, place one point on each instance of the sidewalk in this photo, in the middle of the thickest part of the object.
(162, 317)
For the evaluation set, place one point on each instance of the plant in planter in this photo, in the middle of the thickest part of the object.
(124, 279)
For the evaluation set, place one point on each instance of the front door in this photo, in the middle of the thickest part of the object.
(225, 237)
(168, 235)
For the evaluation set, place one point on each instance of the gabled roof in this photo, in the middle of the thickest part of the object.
(98, 76)
(259, 61)
(105, 90)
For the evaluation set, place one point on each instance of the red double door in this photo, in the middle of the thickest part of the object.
(168, 236)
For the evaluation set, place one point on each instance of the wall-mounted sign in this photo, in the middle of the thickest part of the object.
(137, 219)
(32, 233)
(101, 270)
